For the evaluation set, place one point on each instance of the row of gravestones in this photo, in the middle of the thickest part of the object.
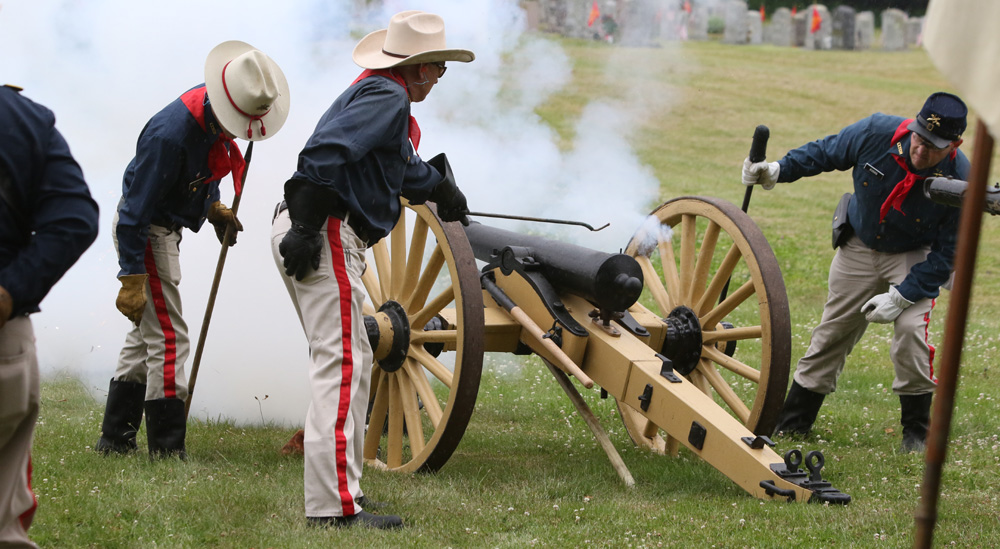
(647, 22)
(844, 29)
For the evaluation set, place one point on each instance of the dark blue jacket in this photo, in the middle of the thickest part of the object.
(361, 149)
(53, 218)
(922, 221)
(168, 183)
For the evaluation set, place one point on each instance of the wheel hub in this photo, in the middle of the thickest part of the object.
(392, 335)
(683, 342)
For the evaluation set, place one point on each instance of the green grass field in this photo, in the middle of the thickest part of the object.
(528, 472)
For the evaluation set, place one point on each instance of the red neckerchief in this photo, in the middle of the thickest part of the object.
(220, 161)
(414, 129)
(899, 192)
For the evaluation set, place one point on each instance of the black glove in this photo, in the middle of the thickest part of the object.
(452, 205)
(308, 207)
(300, 249)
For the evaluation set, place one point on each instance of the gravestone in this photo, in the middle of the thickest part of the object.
(800, 27)
(844, 18)
(532, 15)
(755, 28)
(864, 30)
(697, 23)
(821, 38)
(736, 22)
(779, 30)
(915, 31)
(893, 30)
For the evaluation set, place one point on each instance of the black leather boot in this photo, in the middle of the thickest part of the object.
(915, 415)
(166, 426)
(122, 417)
(799, 412)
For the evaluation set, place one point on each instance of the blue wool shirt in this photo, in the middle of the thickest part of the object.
(53, 218)
(865, 147)
(168, 183)
(361, 149)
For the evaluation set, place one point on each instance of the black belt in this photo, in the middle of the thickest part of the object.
(340, 213)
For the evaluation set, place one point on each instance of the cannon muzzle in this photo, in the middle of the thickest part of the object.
(945, 190)
(612, 282)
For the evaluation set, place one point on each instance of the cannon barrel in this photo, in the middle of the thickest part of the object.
(612, 282)
(945, 190)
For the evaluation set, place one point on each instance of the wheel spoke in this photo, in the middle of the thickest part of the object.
(433, 336)
(427, 280)
(689, 244)
(734, 300)
(656, 289)
(438, 370)
(704, 264)
(371, 285)
(398, 238)
(730, 363)
(377, 418)
(719, 280)
(381, 254)
(411, 412)
(725, 391)
(431, 404)
(418, 242)
(732, 334)
(423, 316)
(395, 438)
(669, 264)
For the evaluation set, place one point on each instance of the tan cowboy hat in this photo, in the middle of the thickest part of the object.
(412, 37)
(248, 91)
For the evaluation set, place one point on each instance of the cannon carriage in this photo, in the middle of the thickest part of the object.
(688, 330)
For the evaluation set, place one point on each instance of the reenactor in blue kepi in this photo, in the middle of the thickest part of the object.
(173, 182)
(344, 197)
(895, 250)
(47, 220)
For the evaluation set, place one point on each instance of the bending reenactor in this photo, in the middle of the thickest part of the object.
(47, 220)
(343, 198)
(181, 156)
(893, 255)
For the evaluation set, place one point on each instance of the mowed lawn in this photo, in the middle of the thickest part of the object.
(528, 472)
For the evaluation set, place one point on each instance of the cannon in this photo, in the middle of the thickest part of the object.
(951, 192)
(687, 329)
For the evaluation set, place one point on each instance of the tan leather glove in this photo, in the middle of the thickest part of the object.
(6, 306)
(222, 217)
(132, 297)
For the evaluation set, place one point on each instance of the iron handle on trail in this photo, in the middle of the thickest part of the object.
(758, 152)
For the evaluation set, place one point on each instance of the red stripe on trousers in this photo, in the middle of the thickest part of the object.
(347, 365)
(29, 515)
(167, 327)
(930, 356)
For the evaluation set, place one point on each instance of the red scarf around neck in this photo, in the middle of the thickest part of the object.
(220, 161)
(414, 129)
(899, 192)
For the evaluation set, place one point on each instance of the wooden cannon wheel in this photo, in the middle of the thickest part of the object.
(427, 302)
(711, 241)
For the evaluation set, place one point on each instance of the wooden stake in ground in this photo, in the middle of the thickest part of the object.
(215, 284)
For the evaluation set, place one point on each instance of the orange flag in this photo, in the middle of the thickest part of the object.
(795, 9)
(816, 21)
(594, 14)
(762, 13)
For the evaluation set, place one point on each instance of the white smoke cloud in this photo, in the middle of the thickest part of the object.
(106, 66)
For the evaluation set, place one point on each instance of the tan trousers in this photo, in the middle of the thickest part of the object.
(857, 274)
(328, 302)
(19, 403)
(155, 351)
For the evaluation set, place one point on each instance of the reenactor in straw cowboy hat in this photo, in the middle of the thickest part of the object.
(344, 197)
(47, 220)
(181, 156)
(895, 249)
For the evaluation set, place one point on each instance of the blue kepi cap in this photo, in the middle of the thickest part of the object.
(941, 120)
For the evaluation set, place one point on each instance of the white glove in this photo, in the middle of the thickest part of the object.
(764, 173)
(884, 308)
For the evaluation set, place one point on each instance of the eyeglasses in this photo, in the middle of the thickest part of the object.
(440, 65)
(923, 141)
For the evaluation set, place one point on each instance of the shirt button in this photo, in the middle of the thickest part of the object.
(918, 220)
(864, 184)
(879, 237)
